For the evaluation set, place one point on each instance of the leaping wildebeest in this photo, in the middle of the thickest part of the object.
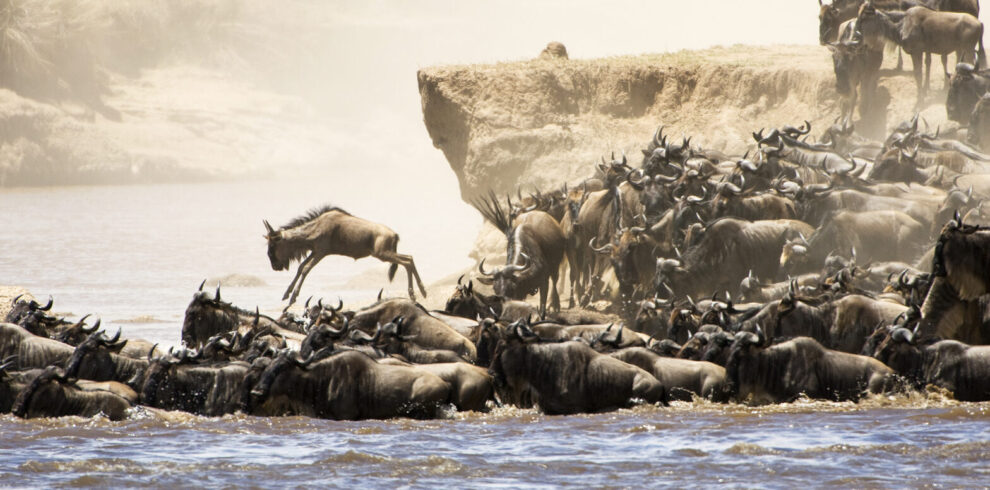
(332, 231)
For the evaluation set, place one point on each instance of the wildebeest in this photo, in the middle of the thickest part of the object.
(425, 330)
(393, 339)
(728, 250)
(920, 30)
(52, 394)
(875, 235)
(842, 324)
(961, 271)
(470, 386)
(962, 369)
(683, 379)
(175, 384)
(570, 377)
(208, 315)
(332, 231)
(966, 87)
(347, 385)
(856, 66)
(97, 358)
(783, 372)
(534, 251)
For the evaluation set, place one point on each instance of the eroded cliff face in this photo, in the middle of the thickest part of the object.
(542, 123)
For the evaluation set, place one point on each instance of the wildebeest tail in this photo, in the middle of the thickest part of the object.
(391, 271)
(493, 213)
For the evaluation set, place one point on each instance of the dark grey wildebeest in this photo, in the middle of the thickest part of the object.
(332, 231)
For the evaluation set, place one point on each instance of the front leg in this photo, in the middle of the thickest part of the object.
(292, 284)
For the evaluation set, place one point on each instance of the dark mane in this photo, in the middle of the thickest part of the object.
(311, 215)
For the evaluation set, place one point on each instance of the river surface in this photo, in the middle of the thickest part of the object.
(135, 255)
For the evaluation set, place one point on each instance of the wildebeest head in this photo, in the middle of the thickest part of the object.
(507, 352)
(897, 165)
(694, 347)
(464, 302)
(505, 280)
(285, 361)
(22, 404)
(155, 388)
(829, 19)
(614, 170)
(207, 315)
(31, 315)
(91, 357)
(279, 255)
(955, 201)
(965, 88)
(653, 194)
(626, 253)
(847, 63)
(652, 316)
(489, 334)
(683, 322)
(744, 346)
(794, 254)
(668, 272)
(321, 336)
(76, 333)
(899, 350)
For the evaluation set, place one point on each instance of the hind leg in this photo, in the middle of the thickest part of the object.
(554, 295)
(406, 261)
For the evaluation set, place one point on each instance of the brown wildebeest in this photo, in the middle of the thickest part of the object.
(332, 231)
(920, 30)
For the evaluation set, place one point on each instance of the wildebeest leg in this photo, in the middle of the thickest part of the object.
(554, 295)
(304, 269)
(406, 261)
(928, 71)
(916, 65)
(292, 284)
(543, 300)
(945, 66)
(900, 59)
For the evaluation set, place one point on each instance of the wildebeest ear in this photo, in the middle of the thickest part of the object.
(470, 287)
(487, 281)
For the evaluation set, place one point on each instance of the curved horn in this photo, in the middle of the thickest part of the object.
(604, 249)
(481, 269)
(217, 295)
(112, 340)
(657, 136)
(524, 266)
(87, 331)
(47, 306)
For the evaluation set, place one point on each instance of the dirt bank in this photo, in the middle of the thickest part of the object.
(541, 123)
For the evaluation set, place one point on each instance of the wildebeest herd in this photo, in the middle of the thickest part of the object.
(829, 269)
(830, 266)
